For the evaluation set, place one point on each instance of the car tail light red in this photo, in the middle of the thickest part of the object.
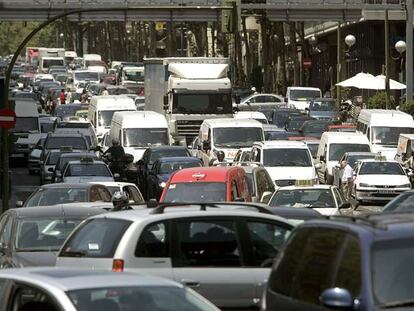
(118, 265)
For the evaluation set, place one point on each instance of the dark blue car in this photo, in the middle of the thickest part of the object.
(164, 167)
(345, 264)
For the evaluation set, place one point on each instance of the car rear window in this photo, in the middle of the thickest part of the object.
(96, 238)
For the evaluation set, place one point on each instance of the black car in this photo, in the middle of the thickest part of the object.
(345, 263)
(294, 123)
(280, 116)
(32, 236)
(314, 128)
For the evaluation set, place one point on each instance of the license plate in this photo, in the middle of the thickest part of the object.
(387, 191)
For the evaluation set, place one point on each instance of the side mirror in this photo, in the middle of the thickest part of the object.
(336, 299)
(165, 103)
(206, 145)
(59, 174)
(322, 158)
(318, 166)
(152, 203)
(345, 205)
(19, 204)
(50, 169)
(266, 197)
(116, 175)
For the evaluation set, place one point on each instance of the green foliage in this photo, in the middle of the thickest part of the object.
(12, 34)
(408, 107)
(378, 101)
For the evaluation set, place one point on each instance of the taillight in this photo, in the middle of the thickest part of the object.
(118, 265)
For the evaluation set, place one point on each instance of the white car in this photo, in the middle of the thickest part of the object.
(325, 199)
(256, 101)
(379, 180)
(86, 170)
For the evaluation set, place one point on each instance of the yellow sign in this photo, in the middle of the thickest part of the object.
(304, 183)
(159, 26)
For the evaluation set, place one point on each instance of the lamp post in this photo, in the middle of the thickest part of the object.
(350, 42)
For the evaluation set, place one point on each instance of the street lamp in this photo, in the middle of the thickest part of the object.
(350, 42)
(400, 47)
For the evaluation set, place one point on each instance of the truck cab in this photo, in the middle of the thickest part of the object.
(300, 97)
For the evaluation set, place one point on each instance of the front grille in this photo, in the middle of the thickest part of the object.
(385, 187)
(285, 182)
(188, 127)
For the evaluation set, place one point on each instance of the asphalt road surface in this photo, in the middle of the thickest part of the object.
(24, 184)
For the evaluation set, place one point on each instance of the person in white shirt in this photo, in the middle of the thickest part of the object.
(347, 180)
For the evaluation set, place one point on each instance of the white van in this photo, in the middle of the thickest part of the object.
(87, 58)
(102, 108)
(383, 128)
(138, 130)
(227, 135)
(332, 147)
(300, 97)
(285, 161)
(27, 128)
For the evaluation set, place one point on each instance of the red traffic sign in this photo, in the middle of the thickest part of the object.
(7, 118)
(307, 63)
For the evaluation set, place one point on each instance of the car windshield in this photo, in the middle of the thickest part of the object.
(322, 106)
(87, 75)
(392, 272)
(46, 127)
(53, 196)
(336, 151)
(315, 127)
(236, 137)
(134, 75)
(105, 117)
(353, 159)
(145, 137)
(43, 234)
(164, 153)
(53, 62)
(401, 203)
(170, 167)
(72, 157)
(381, 168)
(53, 158)
(294, 124)
(25, 125)
(286, 157)
(211, 103)
(313, 148)
(388, 136)
(137, 298)
(117, 91)
(317, 198)
(58, 142)
(87, 170)
(304, 95)
(66, 110)
(196, 192)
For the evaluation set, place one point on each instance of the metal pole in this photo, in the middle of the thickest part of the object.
(338, 63)
(409, 51)
(387, 62)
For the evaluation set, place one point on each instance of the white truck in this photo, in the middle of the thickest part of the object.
(132, 77)
(50, 57)
(188, 91)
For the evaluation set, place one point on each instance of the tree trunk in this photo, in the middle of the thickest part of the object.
(248, 53)
(294, 53)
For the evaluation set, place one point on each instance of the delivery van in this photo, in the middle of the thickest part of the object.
(138, 130)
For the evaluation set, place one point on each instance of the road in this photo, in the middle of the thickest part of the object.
(24, 184)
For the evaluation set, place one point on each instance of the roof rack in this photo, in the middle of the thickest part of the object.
(203, 206)
(358, 219)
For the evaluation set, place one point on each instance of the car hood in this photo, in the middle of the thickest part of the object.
(387, 180)
(322, 114)
(291, 172)
(32, 259)
(28, 138)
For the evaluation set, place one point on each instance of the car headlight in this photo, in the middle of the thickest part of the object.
(405, 186)
(162, 184)
(364, 185)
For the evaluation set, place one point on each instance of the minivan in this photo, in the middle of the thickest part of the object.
(207, 184)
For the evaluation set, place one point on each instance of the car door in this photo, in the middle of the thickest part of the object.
(263, 239)
(208, 258)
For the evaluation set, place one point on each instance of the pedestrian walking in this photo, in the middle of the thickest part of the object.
(347, 180)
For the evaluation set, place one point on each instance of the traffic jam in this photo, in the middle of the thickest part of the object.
(159, 187)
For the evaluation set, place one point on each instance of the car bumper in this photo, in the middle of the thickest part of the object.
(378, 194)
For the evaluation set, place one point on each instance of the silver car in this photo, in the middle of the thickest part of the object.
(224, 252)
(51, 289)
(32, 236)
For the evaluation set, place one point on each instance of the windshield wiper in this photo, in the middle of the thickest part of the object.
(395, 304)
(73, 254)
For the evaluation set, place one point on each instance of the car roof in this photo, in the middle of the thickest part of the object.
(65, 186)
(231, 122)
(87, 163)
(179, 159)
(167, 148)
(290, 188)
(357, 153)
(379, 161)
(281, 144)
(182, 210)
(69, 279)
(65, 135)
(55, 211)
(77, 154)
(112, 183)
(203, 174)
(295, 212)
